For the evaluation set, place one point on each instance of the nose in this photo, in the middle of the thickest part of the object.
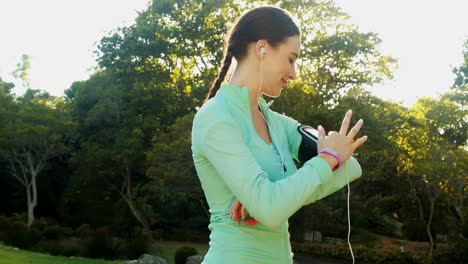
(292, 72)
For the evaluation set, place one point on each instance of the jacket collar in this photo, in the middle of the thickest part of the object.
(239, 97)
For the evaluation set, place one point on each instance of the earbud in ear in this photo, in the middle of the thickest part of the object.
(263, 50)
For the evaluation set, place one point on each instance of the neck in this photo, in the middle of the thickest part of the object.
(242, 76)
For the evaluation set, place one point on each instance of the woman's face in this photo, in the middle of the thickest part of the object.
(279, 65)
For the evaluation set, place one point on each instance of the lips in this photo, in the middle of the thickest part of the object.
(283, 82)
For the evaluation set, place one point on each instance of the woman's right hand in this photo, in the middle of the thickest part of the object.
(238, 213)
(341, 142)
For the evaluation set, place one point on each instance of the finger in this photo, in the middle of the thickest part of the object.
(353, 132)
(322, 133)
(359, 142)
(345, 123)
(235, 211)
(321, 138)
(243, 212)
(232, 208)
(251, 222)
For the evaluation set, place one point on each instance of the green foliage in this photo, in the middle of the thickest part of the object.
(53, 232)
(458, 253)
(380, 223)
(100, 244)
(136, 247)
(22, 70)
(332, 226)
(32, 133)
(361, 254)
(18, 235)
(183, 253)
(83, 230)
(64, 247)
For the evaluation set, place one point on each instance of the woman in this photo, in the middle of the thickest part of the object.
(243, 151)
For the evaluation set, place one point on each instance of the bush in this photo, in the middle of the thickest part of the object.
(362, 236)
(398, 258)
(136, 247)
(4, 226)
(379, 222)
(332, 227)
(41, 223)
(183, 253)
(53, 232)
(52, 247)
(414, 230)
(4, 223)
(72, 247)
(18, 235)
(83, 230)
(100, 244)
(362, 254)
(458, 253)
(65, 247)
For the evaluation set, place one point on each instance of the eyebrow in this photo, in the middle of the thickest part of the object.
(294, 53)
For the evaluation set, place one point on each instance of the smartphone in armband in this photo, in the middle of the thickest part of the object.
(308, 147)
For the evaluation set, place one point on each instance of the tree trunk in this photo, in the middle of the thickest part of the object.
(428, 223)
(126, 194)
(30, 207)
(141, 219)
(428, 227)
(129, 199)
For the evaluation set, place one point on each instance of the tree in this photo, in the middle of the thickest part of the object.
(32, 134)
(112, 141)
(427, 156)
(22, 70)
(172, 172)
(456, 132)
(158, 70)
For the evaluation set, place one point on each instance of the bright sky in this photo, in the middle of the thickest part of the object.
(426, 37)
(60, 36)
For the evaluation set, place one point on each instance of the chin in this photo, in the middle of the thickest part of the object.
(274, 93)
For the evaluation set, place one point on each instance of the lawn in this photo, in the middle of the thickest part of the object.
(10, 255)
(165, 249)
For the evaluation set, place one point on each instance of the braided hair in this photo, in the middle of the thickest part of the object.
(269, 23)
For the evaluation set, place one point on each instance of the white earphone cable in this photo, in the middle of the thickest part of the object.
(281, 160)
(349, 216)
(261, 74)
(268, 125)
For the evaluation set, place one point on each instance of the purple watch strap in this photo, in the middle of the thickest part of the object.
(334, 154)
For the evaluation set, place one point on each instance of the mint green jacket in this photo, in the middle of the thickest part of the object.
(233, 161)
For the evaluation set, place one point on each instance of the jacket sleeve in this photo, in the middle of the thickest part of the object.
(272, 203)
(351, 169)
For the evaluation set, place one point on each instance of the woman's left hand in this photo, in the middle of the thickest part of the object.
(238, 211)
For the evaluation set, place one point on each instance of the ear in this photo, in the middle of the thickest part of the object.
(259, 46)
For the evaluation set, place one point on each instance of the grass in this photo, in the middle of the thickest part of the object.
(165, 249)
(10, 255)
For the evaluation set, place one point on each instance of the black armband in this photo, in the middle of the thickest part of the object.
(308, 147)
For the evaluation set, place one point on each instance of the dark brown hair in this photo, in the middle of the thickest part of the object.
(269, 23)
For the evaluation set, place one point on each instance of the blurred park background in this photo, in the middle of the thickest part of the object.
(105, 171)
